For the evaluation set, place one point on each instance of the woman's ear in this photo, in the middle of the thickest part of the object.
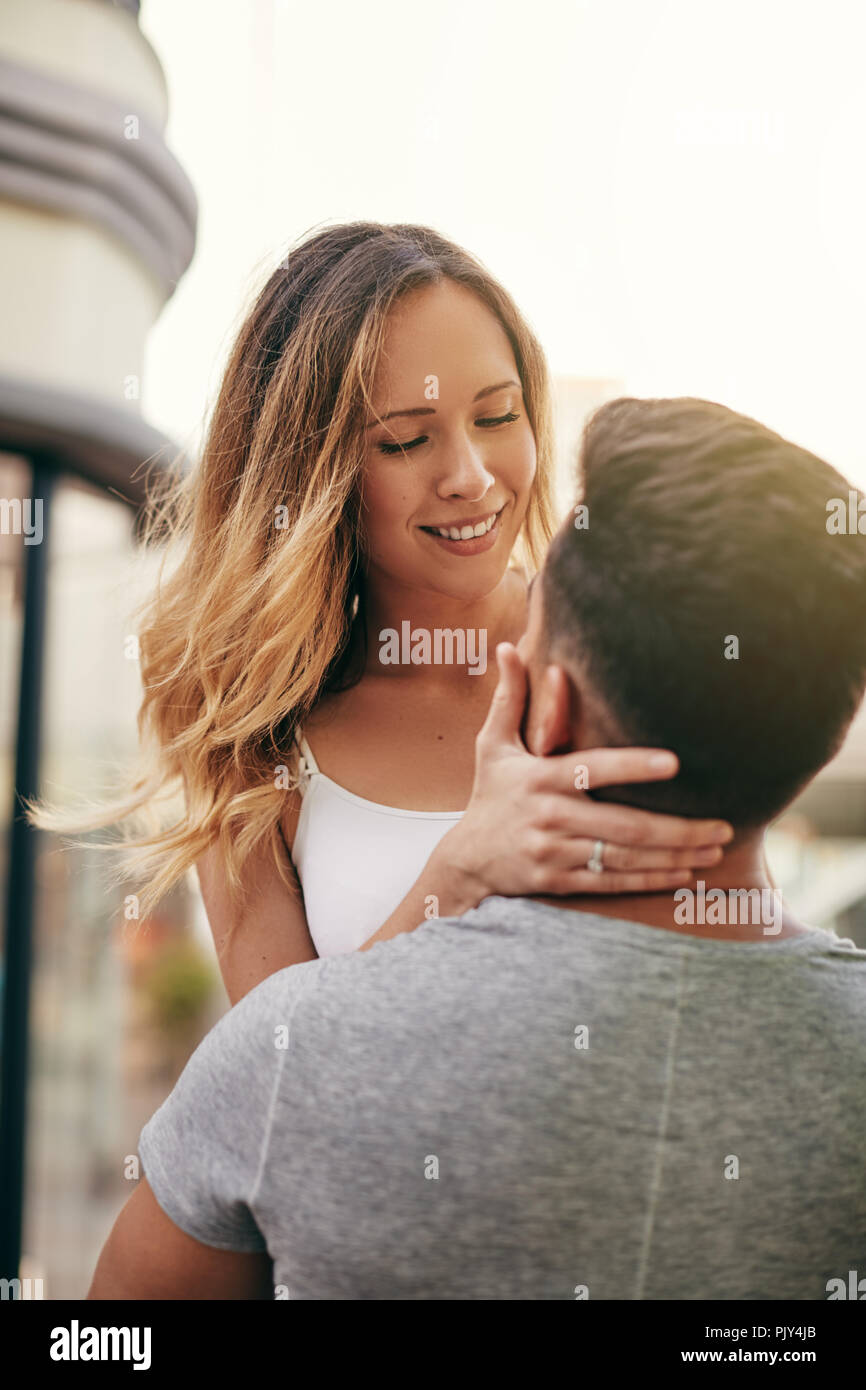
(553, 714)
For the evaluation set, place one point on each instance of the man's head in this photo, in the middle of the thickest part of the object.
(702, 603)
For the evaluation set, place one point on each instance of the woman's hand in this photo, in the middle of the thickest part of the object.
(527, 831)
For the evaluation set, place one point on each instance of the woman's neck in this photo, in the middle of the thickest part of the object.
(400, 620)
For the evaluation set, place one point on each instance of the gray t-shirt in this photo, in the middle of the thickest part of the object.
(532, 1103)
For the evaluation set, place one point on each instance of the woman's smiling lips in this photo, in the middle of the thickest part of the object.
(468, 535)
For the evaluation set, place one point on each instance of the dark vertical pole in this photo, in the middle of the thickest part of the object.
(20, 892)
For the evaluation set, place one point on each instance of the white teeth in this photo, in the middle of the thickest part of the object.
(466, 533)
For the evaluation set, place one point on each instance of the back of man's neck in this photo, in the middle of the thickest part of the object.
(713, 905)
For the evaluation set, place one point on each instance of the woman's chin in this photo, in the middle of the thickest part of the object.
(465, 578)
(476, 575)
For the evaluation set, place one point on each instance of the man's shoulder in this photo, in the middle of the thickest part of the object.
(247, 1035)
(496, 938)
(504, 936)
(433, 946)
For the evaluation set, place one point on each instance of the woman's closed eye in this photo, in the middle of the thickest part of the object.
(486, 424)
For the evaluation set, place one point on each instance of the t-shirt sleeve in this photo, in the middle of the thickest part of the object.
(203, 1149)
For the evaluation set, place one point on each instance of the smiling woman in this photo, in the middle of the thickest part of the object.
(282, 539)
(316, 520)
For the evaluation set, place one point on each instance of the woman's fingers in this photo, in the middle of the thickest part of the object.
(568, 856)
(531, 827)
(610, 767)
(631, 860)
(584, 883)
(574, 815)
(606, 767)
(505, 714)
(653, 881)
(626, 825)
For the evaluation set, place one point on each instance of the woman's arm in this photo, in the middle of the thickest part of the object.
(268, 933)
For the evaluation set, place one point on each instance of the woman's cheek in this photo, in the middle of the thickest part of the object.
(382, 502)
(386, 516)
(523, 469)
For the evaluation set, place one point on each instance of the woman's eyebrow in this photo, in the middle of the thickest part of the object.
(488, 390)
(429, 409)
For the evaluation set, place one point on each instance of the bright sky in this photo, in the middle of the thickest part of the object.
(672, 190)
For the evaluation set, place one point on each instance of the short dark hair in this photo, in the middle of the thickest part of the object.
(703, 526)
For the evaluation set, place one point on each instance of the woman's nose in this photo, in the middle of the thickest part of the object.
(465, 473)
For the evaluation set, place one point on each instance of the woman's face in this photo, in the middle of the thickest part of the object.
(449, 383)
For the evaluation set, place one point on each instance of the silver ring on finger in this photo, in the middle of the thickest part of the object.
(595, 863)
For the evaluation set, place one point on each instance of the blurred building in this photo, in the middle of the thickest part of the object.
(98, 224)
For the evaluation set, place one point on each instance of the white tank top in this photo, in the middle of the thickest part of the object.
(356, 860)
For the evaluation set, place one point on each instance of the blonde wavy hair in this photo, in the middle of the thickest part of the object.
(262, 613)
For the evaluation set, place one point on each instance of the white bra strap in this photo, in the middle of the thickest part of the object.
(306, 752)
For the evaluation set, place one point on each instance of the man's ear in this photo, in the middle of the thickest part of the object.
(552, 714)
